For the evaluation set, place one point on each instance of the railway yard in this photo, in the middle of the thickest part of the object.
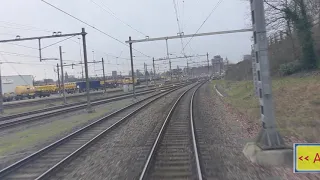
(179, 131)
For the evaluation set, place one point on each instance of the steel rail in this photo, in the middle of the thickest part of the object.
(42, 115)
(14, 104)
(194, 141)
(161, 134)
(14, 167)
(116, 97)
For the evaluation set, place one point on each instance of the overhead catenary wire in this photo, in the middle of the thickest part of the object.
(179, 28)
(214, 8)
(108, 10)
(5, 59)
(29, 47)
(18, 54)
(28, 26)
(58, 42)
(92, 27)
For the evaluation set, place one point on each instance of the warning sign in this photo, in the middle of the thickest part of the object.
(306, 158)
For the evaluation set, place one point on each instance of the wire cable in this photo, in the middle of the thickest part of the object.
(108, 10)
(179, 28)
(92, 27)
(28, 26)
(5, 59)
(29, 47)
(58, 42)
(214, 8)
(18, 54)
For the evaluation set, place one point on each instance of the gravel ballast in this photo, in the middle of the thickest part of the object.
(122, 152)
(223, 134)
(20, 141)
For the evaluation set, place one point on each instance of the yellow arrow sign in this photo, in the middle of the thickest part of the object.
(306, 157)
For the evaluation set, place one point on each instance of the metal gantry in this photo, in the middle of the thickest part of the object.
(56, 35)
(147, 39)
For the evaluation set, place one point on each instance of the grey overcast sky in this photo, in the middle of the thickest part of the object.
(154, 18)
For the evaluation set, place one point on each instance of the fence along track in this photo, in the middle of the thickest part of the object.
(174, 153)
(42, 163)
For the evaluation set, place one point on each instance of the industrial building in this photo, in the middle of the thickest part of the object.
(217, 63)
(9, 83)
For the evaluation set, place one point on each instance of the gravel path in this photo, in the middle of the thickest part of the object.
(121, 153)
(224, 135)
(18, 142)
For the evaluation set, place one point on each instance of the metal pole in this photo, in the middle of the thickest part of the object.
(89, 108)
(1, 95)
(40, 56)
(169, 59)
(94, 64)
(208, 64)
(62, 77)
(59, 86)
(187, 69)
(145, 73)
(269, 137)
(132, 70)
(147, 76)
(81, 60)
(104, 77)
(154, 69)
(154, 74)
(220, 66)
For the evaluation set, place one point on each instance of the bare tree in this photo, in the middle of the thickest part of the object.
(296, 17)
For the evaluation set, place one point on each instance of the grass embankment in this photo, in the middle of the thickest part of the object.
(297, 104)
(30, 137)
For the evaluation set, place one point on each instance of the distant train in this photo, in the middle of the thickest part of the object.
(31, 92)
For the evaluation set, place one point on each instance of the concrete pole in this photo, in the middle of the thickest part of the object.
(208, 64)
(40, 55)
(85, 58)
(147, 78)
(104, 77)
(132, 70)
(187, 69)
(154, 69)
(269, 137)
(154, 74)
(62, 77)
(169, 59)
(1, 95)
(81, 59)
(59, 85)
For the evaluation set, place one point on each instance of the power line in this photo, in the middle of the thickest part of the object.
(18, 54)
(39, 64)
(92, 27)
(25, 29)
(13, 68)
(108, 10)
(214, 8)
(23, 46)
(30, 27)
(58, 42)
(179, 28)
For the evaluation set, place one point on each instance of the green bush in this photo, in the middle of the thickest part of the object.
(289, 68)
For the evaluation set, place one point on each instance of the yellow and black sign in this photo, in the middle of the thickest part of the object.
(306, 158)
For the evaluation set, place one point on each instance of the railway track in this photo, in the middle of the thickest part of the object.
(21, 118)
(22, 103)
(174, 154)
(45, 162)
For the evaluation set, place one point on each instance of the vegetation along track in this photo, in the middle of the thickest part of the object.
(174, 153)
(18, 119)
(45, 162)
